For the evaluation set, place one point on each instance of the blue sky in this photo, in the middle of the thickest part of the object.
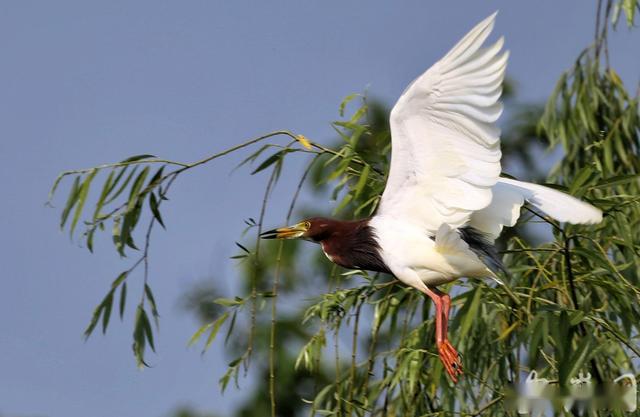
(87, 82)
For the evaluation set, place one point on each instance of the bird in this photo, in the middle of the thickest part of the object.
(445, 200)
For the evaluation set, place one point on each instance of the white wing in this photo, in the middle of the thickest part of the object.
(509, 196)
(446, 147)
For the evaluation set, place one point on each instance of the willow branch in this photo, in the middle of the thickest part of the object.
(274, 292)
(486, 407)
(254, 275)
(354, 352)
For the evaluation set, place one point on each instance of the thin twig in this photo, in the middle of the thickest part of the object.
(486, 407)
(272, 337)
(354, 352)
(274, 293)
(372, 346)
(605, 32)
(254, 275)
(574, 297)
(597, 33)
(183, 166)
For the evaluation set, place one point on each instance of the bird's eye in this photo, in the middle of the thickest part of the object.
(307, 225)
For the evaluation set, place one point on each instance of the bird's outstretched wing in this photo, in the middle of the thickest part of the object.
(446, 147)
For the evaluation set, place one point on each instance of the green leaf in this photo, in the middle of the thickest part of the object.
(243, 248)
(340, 170)
(617, 180)
(253, 156)
(146, 324)
(581, 178)
(538, 336)
(106, 315)
(136, 187)
(346, 200)
(97, 312)
(231, 326)
(132, 214)
(116, 232)
(54, 187)
(156, 179)
(215, 328)
(227, 302)
(271, 160)
(71, 201)
(123, 299)
(470, 314)
(90, 235)
(576, 317)
(82, 197)
(139, 338)
(103, 195)
(124, 238)
(570, 368)
(137, 158)
(234, 367)
(362, 181)
(117, 179)
(103, 308)
(123, 186)
(198, 334)
(152, 302)
(153, 204)
(120, 278)
(322, 395)
(629, 7)
(345, 101)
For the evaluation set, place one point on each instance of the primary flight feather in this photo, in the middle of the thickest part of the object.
(444, 202)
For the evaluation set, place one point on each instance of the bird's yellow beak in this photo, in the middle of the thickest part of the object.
(291, 232)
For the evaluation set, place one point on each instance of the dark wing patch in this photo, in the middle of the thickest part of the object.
(482, 246)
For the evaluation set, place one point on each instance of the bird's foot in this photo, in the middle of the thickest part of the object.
(450, 359)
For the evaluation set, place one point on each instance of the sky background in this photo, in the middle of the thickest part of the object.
(86, 82)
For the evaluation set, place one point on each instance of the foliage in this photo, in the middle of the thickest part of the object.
(569, 305)
(188, 412)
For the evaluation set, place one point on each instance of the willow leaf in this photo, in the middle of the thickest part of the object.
(82, 198)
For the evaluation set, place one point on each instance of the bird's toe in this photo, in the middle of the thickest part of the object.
(451, 360)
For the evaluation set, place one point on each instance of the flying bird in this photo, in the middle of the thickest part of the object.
(445, 202)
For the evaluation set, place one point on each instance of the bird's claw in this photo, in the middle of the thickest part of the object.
(450, 359)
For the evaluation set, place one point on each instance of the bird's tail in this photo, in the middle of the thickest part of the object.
(556, 204)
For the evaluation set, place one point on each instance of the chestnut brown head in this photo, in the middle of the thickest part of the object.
(315, 229)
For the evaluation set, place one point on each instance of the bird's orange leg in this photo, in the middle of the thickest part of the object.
(448, 354)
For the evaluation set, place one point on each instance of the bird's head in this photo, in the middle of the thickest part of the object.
(315, 229)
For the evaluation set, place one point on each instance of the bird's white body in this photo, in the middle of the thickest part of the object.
(445, 170)
(412, 253)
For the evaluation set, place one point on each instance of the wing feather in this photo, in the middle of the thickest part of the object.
(472, 41)
(481, 58)
(446, 146)
(510, 195)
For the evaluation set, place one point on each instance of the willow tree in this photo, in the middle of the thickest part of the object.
(568, 305)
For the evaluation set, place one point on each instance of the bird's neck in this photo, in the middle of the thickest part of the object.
(353, 244)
